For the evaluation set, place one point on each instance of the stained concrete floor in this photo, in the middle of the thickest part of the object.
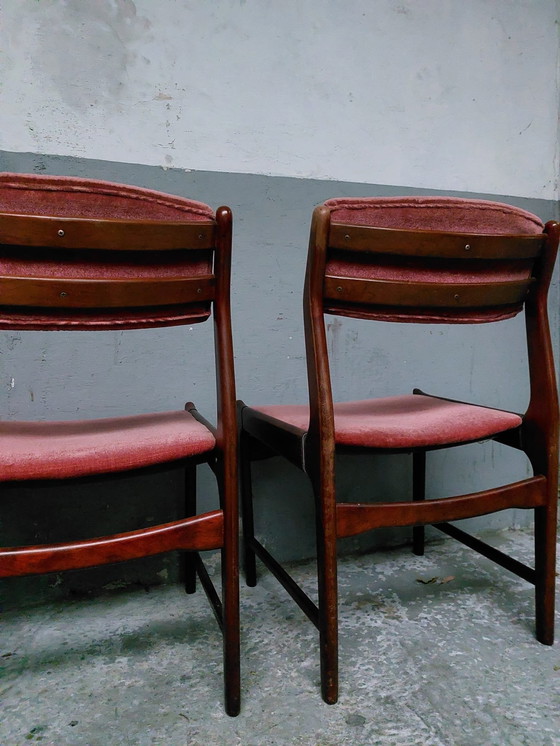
(452, 662)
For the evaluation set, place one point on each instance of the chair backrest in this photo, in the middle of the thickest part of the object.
(429, 259)
(426, 260)
(87, 254)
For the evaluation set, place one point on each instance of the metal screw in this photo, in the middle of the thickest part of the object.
(347, 237)
(63, 294)
(199, 290)
(201, 236)
(339, 289)
(61, 232)
(456, 296)
(467, 247)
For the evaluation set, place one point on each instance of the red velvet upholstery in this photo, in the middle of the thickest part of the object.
(409, 421)
(55, 450)
(443, 214)
(68, 196)
(62, 196)
(451, 214)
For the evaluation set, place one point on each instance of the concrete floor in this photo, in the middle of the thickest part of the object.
(453, 662)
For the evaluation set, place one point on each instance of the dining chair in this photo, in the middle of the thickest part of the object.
(422, 260)
(82, 254)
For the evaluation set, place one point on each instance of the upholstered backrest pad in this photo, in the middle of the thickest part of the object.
(444, 214)
(68, 197)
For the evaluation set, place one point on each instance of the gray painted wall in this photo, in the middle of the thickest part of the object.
(435, 94)
(69, 375)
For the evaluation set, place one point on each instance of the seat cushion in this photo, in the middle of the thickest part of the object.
(71, 197)
(409, 421)
(53, 450)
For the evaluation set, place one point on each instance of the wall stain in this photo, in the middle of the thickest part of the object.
(87, 48)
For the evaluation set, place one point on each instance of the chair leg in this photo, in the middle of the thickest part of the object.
(418, 493)
(190, 558)
(249, 559)
(230, 576)
(230, 596)
(545, 567)
(328, 604)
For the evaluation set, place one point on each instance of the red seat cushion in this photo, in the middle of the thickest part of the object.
(52, 450)
(64, 196)
(444, 214)
(409, 421)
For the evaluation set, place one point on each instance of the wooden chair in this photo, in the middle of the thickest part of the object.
(90, 255)
(422, 260)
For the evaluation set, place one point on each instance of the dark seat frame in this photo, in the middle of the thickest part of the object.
(49, 297)
(314, 450)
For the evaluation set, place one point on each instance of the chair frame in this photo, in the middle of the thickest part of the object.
(314, 450)
(217, 529)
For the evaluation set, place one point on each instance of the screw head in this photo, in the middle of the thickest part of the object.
(61, 232)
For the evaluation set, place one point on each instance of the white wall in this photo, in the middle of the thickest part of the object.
(443, 94)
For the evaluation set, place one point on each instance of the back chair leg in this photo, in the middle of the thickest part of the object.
(328, 606)
(545, 569)
(228, 489)
(190, 558)
(249, 559)
(418, 493)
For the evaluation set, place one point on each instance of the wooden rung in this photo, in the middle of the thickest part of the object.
(286, 580)
(356, 518)
(197, 533)
(504, 560)
(210, 590)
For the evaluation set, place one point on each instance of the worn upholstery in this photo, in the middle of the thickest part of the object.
(442, 214)
(409, 421)
(60, 196)
(55, 450)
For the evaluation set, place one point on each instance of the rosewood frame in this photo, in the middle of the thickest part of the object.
(314, 450)
(217, 529)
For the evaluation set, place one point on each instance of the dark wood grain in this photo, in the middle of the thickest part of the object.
(464, 246)
(43, 292)
(198, 533)
(106, 234)
(421, 295)
(356, 518)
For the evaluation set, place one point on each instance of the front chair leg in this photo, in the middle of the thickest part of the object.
(545, 570)
(328, 606)
(190, 558)
(230, 594)
(230, 585)
(418, 494)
